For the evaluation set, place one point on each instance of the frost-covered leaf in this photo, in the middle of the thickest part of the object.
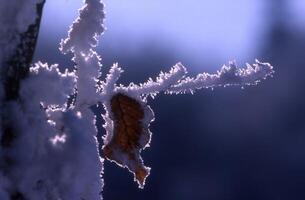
(130, 134)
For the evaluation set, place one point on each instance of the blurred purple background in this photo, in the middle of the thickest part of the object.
(226, 144)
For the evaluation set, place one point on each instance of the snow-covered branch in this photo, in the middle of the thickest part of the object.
(108, 87)
(227, 76)
(162, 83)
(86, 29)
(175, 82)
(43, 82)
(82, 39)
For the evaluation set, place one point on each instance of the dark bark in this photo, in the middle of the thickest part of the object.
(14, 70)
(17, 67)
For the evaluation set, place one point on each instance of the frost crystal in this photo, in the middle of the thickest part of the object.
(54, 139)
